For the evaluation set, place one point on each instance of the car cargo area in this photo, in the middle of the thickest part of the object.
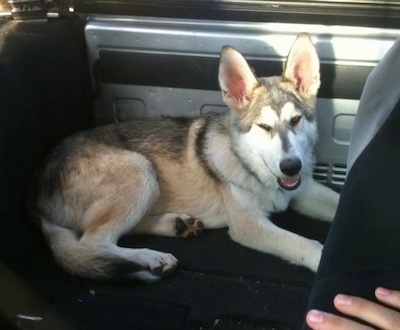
(97, 62)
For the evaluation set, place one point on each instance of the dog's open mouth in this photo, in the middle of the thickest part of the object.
(289, 183)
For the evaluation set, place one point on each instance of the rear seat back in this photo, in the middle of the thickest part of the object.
(143, 67)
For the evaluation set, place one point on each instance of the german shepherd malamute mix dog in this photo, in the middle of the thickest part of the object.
(176, 176)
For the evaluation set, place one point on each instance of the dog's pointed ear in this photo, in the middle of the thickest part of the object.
(302, 66)
(236, 79)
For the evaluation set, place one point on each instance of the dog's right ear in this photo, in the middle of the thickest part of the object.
(236, 79)
(302, 66)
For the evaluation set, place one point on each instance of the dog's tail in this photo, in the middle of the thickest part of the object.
(87, 260)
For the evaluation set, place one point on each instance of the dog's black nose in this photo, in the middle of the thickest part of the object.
(290, 166)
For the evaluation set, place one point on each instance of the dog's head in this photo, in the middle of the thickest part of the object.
(274, 117)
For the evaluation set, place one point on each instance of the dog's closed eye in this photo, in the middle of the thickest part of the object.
(265, 127)
(295, 120)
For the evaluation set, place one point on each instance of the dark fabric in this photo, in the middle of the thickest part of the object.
(362, 248)
(43, 97)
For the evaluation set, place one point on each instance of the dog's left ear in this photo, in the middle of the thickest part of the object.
(236, 79)
(302, 66)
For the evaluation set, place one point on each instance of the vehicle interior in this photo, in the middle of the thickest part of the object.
(67, 66)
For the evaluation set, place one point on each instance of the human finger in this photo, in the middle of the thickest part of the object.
(372, 313)
(388, 297)
(318, 320)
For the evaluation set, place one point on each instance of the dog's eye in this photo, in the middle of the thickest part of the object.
(295, 120)
(265, 127)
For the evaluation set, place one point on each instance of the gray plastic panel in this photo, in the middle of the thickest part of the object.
(347, 47)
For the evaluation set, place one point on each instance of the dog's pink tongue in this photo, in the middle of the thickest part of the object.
(290, 181)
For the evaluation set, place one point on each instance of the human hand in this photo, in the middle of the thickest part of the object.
(376, 315)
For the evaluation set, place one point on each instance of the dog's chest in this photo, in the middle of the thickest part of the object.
(274, 202)
(266, 200)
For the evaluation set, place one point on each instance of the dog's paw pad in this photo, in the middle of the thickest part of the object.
(189, 227)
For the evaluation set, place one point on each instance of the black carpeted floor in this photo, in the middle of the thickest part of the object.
(219, 284)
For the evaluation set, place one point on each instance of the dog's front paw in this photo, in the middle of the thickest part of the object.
(313, 257)
(188, 227)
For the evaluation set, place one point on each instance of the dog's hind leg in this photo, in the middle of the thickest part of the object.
(170, 224)
(126, 188)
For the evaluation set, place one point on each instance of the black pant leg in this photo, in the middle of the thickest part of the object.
(362, 250)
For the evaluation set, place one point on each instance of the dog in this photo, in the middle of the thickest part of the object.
(176, 176)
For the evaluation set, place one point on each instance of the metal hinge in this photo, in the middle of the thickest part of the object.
(37, 9)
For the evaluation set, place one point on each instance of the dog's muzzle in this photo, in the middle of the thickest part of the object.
(291, 167)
